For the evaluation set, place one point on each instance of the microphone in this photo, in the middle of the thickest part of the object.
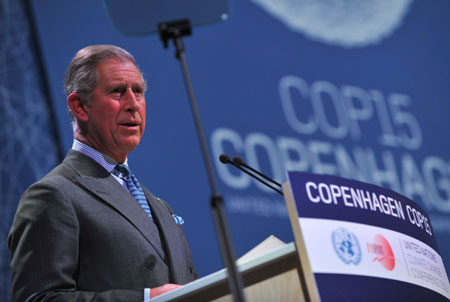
(238, 162)
(225, 159)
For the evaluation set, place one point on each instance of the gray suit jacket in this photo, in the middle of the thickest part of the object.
(78, 235)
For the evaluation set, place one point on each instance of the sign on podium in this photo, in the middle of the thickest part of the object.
(364, 242)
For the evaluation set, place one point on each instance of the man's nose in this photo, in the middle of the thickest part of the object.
(131, 101)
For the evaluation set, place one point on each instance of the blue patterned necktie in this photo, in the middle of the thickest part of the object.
(134, 187)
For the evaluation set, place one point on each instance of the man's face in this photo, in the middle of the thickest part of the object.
(116, 115)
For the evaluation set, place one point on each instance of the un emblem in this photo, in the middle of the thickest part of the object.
(346, 246)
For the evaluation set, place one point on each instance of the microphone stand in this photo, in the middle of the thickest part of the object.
(175, 31)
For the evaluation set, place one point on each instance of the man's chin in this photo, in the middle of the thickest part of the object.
(129, 145)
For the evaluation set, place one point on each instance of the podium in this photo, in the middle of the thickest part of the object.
(271, 275)
(353, 242)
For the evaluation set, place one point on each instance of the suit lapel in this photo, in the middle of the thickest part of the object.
(99, 182)
(171, 235)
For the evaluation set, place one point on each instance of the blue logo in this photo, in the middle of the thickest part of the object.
(346, 246)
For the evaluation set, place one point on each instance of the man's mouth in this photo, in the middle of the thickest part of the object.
(130, 124)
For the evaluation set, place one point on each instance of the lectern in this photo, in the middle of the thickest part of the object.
(353, 242)
(270, 273)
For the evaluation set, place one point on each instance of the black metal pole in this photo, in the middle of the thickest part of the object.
(234, 278)
(175, 31)
(195, 114)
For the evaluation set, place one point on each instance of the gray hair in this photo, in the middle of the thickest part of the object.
(82, 76)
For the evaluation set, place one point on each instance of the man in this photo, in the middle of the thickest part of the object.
(88, 231)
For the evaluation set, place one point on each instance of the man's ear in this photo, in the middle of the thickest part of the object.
(78, 106)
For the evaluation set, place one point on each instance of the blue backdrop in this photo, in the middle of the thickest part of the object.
(350, 88)
(29, 146)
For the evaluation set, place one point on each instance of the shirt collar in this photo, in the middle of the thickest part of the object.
(102, 159)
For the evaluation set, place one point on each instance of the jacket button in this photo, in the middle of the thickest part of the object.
(150, 262)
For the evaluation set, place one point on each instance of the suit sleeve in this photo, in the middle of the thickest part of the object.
(44, 250)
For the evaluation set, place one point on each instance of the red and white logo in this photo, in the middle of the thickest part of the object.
(382, 251)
